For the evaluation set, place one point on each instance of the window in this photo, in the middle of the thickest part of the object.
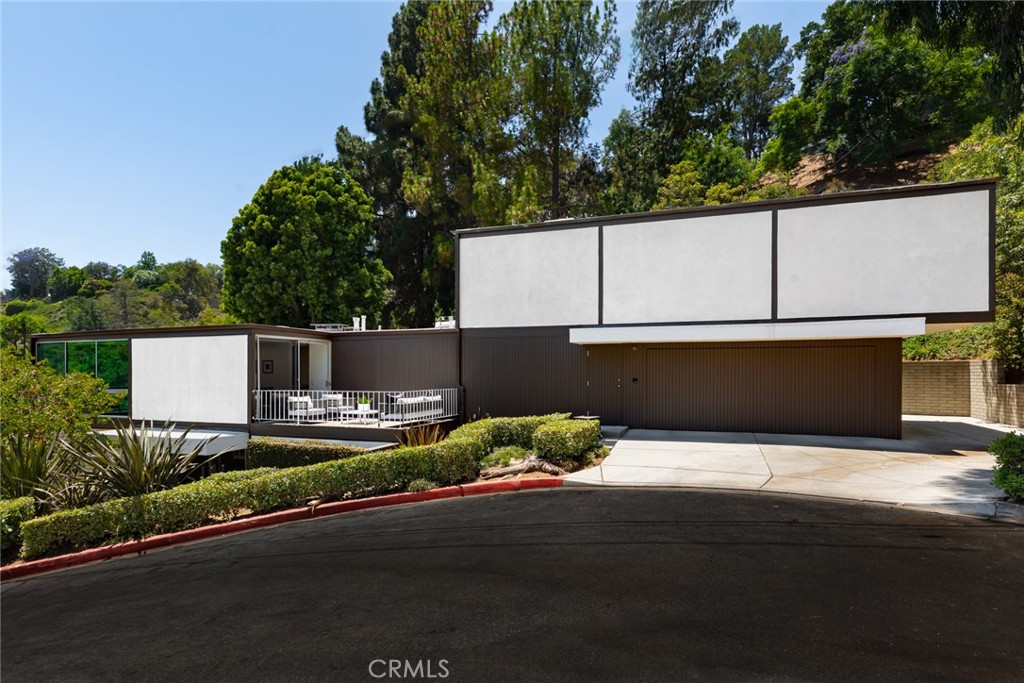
(108, 360)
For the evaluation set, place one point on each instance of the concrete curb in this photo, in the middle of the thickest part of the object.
(105, 552)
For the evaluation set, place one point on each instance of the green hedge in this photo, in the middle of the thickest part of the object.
(13, 513)
(1009, 471)
(496, 432)
(566, 442)
(227, 495)
(265, 452)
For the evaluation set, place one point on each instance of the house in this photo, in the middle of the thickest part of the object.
(776, 316)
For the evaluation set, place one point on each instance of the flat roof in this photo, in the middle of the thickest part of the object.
(924, 189)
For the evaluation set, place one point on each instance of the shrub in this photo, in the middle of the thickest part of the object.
(505, 455)
(12, 514)
(421, 485)
(264, 452)
(421, 435)
(227, 495)
(495, 432)
(135, 460)
(567, 442)
(1009, 470)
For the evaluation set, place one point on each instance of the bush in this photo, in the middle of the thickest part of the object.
(504, 456)
(223, 496)
(12, 514)
(264, 452)
(567, 442)
(421, 485)
(1009, 470)
(496, 432)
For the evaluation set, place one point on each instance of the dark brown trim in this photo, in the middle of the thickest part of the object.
(748, 207)
(185, 331)
(775, 265)
(186, 424)
(930, 318)
(600, 274)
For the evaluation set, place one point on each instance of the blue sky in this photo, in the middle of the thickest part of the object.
(146, 126)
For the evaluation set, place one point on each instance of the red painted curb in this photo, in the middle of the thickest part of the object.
(188, 535)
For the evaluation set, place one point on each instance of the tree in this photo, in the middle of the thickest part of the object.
(84, 313)
(886, 95)
(122, 306)
(424, 281)
(40, 404)
(147, 261)
(676, 73)
(188, 287)
(459, 106)
(30, 271)
(560, 55)
(301, 251)
(759, 68)
(681, 188)
(630, 161)
(792, 124)
(16, 329)
(987, 154)
(996, 28)
(843, 23)
(66, 282)
(718, 159)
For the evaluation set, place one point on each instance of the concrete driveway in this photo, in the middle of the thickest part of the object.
(940, 464)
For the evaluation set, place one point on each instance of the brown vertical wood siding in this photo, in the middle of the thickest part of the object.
(521, 371)
(841, 387)
(414, 359)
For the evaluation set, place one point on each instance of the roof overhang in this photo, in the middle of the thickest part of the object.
(871, 328)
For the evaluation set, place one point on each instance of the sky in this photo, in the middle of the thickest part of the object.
(131, 127)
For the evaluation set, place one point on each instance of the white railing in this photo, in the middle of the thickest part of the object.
(367, 408)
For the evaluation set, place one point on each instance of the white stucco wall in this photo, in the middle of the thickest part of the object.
(191, 379)
(529, 279)
(691, 269)
(896, 256)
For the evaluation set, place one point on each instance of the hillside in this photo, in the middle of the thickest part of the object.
(816, 175)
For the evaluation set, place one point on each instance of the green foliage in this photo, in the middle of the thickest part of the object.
(681, 188)
(266, 452)
(843, 23)
(758, 68)
(13, 513)
(38, 403)
(889, 94)
(994, 28)
(135, 460)
(1009, 470)
(970, 342)
(567, 442)
(66, 282)
(630, 161)
(27, 465)
(297, 253)
(792, 124)
(259, 491)
(676, 73)
(495, 432)
(503, 456)
(16, 330)
(718, 159)
(421, 485)
(986, 154)
(560, 55)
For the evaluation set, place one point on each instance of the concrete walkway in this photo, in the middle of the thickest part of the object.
(940, 464)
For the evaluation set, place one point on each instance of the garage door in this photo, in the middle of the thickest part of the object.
(825, 388)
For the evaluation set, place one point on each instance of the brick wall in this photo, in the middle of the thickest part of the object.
(990, 399)
(937, 387)
(964, 388)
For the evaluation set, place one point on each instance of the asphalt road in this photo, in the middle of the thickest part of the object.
(567, 584)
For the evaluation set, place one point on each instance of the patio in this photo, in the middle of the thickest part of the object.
(352, 408)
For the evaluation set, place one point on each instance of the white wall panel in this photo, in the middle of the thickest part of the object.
(895, 256)
(529, 279)
(692, 269)
(191, 379)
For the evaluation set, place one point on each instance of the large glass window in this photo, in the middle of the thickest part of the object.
(107, 360)
(53, 353)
